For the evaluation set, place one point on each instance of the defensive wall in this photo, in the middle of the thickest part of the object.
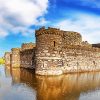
(57, 52)
(21, 57)
(7, 58)
(27, 55)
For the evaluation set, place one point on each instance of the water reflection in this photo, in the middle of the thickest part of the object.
(64, 87)
(12, 88)
(67, 87)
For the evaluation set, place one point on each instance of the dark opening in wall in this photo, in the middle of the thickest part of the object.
(94, 62)
(54, 43)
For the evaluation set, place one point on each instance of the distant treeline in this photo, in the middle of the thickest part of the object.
(2, 61)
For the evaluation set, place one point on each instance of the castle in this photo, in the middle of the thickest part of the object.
(55, 52)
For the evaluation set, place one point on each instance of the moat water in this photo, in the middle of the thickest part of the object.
(22, 84)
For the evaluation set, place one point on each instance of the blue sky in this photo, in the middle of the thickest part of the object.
(20, 18)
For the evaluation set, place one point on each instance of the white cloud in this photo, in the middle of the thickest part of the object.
(20, 13)
(3, 33)
(87, 25)
(41, 22)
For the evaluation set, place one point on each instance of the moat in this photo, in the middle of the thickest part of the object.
(22, 84)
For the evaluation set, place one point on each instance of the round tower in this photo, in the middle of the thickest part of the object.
(15, 57)
(72, 38)
(48, 51)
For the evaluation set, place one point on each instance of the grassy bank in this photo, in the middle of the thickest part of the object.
(2, 61)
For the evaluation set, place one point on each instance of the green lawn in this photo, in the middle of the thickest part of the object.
(2, 61)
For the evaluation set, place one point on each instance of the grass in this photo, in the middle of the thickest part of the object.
(2, 61)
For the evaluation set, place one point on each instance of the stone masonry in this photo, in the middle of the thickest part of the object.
(27, 54)
(15, 57)
(57, 52)
(7, 57)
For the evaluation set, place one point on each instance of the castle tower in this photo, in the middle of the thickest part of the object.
(72, 38)
(15, 57)
(48, 51)
(7, 58)
(27, 54)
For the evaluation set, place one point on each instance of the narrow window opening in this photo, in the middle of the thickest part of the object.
(54, 43)
(94, 62)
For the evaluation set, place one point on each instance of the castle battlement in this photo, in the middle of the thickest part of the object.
(49, 30)
(81, 47)
(15, 49)
(26, 46)
(70, 37)
(7, 53)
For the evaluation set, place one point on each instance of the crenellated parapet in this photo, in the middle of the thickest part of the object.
(26, 46)
(7, 53)
(15, 50)
(86, 44)
(49, 30)
(69, 37)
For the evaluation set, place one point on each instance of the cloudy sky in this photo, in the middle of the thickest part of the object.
(20, 18)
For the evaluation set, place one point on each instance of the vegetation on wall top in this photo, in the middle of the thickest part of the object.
(2, 61)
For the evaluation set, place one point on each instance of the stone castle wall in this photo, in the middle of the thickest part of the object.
(27, 55)
(57, 52)
(79, 59)
(70, 38)
(7, 57)
(15, 57)
(48, 46)
(21, 57)
(96, 45)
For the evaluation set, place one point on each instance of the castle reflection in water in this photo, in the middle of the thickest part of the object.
(63, 87)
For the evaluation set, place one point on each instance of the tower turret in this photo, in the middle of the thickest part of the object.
(72, 38)
(7, 58)
(48, 51)
(15, 57)
(27, 54)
